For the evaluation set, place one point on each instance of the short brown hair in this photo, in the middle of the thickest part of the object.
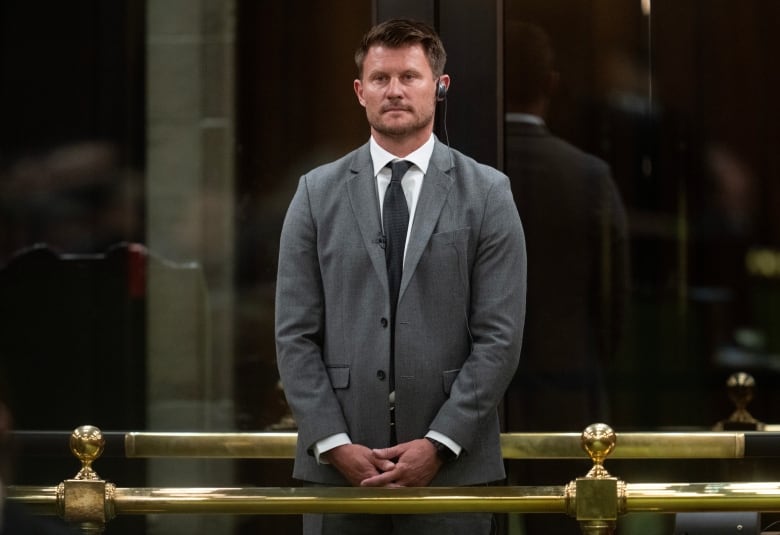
(397, 33)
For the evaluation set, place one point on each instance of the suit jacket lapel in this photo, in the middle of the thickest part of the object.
(435, 188)
(365, 205)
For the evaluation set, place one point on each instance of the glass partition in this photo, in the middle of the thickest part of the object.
(678, 100)
(639, 136)
(150, 150)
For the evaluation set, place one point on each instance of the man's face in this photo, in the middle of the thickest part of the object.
(398, 91)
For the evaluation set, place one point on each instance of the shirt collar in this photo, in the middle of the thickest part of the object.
(420, 157)
(524, 118)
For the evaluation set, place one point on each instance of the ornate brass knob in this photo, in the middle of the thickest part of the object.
(740, 386)
(598, 441)
(87, 444)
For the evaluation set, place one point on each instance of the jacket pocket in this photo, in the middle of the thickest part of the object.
(458, 237)
(448, 377)
(339, 376)
(448, 261)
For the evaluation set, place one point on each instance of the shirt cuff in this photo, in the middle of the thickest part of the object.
(447, 441)
(327, 444)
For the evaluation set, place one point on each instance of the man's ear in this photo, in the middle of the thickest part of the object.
(358, 86)
(445, 78)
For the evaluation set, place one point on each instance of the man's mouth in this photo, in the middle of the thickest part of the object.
(388, 109)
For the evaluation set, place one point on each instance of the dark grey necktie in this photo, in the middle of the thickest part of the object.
(395, 216)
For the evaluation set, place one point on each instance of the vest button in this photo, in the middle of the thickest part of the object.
(384, 322)
(380, 374)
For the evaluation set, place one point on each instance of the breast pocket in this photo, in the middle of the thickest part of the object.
(446, 266)
(458, 237)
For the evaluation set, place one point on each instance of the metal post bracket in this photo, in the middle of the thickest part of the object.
(85, 500)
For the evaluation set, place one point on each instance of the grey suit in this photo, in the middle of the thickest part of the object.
(459, 319)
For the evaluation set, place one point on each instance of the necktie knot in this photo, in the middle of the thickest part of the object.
(399, 169)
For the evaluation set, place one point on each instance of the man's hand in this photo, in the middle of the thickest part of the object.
(357, 463)
(416, 466)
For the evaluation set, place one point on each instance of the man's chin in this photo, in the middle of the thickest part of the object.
(398, 123)
(394, 130)
(398, 129)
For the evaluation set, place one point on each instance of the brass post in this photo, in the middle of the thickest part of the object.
(597, 499)
(86, 500)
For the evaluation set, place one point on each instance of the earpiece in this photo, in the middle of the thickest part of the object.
(441, 96)
(441, 91)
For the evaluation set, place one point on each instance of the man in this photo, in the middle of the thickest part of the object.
(400, 391)
(576, 234)
(576, 238)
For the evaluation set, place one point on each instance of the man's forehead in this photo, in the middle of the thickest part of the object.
(401, 47)
(379, 55)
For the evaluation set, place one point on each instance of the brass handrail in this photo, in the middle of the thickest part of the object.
(639, 497)
(659, 445)
(297, 500)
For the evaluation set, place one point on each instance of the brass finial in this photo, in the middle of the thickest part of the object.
(87, 443)
(598, 441)
(740, 387)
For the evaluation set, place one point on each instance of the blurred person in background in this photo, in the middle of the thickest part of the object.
(576, 238)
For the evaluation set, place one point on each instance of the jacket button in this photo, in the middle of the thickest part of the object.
(383, 321)
(380, 374)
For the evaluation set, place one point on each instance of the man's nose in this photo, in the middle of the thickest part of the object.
(394, 87)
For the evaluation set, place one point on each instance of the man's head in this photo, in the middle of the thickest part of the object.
(531, 74)
(400, 65)
(400, 33)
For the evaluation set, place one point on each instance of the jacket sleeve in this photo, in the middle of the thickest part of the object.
(300, 310)
(495, 320)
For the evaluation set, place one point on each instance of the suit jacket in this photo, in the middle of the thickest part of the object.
(576, 238)
(459, 318)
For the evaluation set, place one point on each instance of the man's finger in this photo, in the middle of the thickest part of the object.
(387, 453)
(384, 465)
(381, 480)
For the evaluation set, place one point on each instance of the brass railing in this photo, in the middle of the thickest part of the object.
(596, 500)
(698, 445)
